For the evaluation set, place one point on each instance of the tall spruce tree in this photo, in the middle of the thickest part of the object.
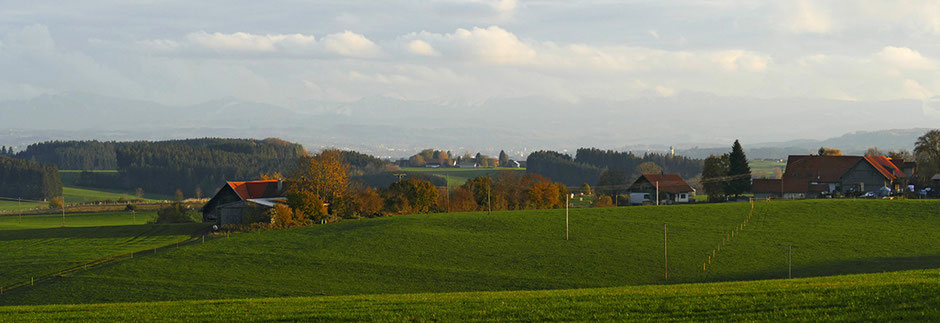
(503, 159)
(738, 170)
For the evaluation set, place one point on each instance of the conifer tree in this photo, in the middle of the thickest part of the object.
(738, 170)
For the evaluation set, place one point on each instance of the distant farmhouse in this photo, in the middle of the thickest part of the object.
(467, 165)
(809, 176)
(236, 199)
(672, 188)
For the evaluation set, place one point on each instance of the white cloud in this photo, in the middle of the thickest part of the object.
(904, 58)
(241, 41)
(492, 44)
(420, 47)
(351, 44)
(739, 60)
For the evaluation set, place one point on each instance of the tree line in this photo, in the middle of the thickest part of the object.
(608, 167)
(200, 165)
(319, 188)
(28, 179)
(447, 158)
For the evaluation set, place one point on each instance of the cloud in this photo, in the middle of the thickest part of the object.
(33, 64)
(420, 47)
(492, 44)
(805, 16)
(346, 44)
(351, 44)
(241, 41)
(739, 60)
(904, 58)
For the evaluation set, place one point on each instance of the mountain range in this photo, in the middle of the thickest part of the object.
(392, 127)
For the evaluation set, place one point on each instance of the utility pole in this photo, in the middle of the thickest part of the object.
(489, 202)
(657, 192)
(666, 252)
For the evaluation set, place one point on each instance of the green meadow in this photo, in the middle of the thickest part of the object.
(522, 251)
(766, 168)
(14, 205)
(896, 296)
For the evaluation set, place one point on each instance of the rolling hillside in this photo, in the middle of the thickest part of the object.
(896, 296)
(523, 250)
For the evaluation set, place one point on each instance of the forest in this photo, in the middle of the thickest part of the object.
(28, 179)
(194, 166)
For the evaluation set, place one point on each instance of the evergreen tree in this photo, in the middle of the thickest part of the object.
(738, 170)
(503, 159)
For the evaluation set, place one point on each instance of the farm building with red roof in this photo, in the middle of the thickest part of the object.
(812, 176)
(235, 199)
(672, 188)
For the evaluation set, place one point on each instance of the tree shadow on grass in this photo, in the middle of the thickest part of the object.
(842, 267)
(117, 231)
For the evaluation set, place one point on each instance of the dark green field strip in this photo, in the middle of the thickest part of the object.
(42, 248)
(74, 220)
(897, 296)
(522, 250)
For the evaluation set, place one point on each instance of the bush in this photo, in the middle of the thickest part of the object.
(282, 216)
(130, 207)
(602, 201)
(56, 203)
(176, 213)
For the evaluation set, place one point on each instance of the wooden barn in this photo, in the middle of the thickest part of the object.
(240, 202)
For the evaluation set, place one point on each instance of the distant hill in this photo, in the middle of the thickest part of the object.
(854, 143)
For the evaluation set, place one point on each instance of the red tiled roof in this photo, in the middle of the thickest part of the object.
(803, 170)
(255, 189)
(671, 183)
(827, 169)
(885, 166)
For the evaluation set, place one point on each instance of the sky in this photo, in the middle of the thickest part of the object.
(186, 52)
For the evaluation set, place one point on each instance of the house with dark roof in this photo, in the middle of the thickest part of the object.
(237, 202)
(808, 176)
(672, 188)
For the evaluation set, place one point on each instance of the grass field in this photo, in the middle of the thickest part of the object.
(36, 245)
(86, 195)
(458, 176)
(896, 296)
(7, 205)
(523, 250)
(766, 168)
